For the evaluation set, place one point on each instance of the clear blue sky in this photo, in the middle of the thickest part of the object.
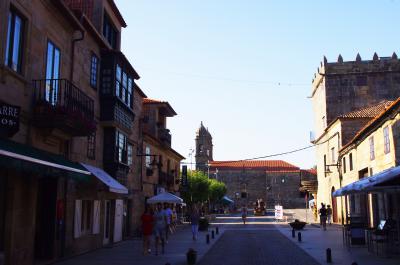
(244, 68)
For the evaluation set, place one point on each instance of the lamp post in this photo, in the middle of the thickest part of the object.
(191, 151)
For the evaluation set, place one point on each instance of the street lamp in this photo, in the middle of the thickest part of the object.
(191, 151)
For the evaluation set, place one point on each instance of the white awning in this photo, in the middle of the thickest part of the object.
(104, 177)
(370, 184)
(165, 197)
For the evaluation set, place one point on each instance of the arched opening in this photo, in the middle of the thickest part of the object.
(334, 207)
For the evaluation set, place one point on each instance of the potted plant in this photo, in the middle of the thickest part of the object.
(297, 225)
(191, 256)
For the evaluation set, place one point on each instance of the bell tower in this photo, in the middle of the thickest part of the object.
(204, 148)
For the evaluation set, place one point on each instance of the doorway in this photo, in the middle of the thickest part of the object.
(334, 206)
(119, 208)
(45, 218)
(107, 222)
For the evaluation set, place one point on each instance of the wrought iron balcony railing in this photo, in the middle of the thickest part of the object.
(59, 103)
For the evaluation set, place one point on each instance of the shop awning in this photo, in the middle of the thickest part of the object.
(26, 158)
(104, 177)
(385, 180)
(227, 200)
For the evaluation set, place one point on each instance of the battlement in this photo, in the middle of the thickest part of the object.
(357, 67)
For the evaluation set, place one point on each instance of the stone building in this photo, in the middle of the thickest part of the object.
(160, 161)
(273, 181)
(373, 151)
(70, 174)
(346, 96)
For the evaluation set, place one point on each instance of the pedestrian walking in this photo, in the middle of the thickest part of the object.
(147, 228)
(194, 221)
(244, 214)
(168, 218)
(329, 214)
(159, 227)
(323, 216)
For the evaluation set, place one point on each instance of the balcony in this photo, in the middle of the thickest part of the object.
(59, 104)
(164, 136)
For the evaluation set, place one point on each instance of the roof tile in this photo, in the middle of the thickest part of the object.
(267, 165)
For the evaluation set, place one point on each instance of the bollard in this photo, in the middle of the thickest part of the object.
(293, 233)
(216, 230)
(328, 255)
(208, 238)
(299, 236)
(212, 234)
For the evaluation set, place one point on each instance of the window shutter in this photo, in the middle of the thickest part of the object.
(77, 219)
(96, 217)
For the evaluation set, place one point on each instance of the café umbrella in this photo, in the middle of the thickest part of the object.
(165, 197)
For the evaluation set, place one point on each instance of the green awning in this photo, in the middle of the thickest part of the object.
(25, 158)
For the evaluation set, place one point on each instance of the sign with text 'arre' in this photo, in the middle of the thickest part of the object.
(9, 119)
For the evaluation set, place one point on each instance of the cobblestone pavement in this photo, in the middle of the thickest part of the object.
(253, 247)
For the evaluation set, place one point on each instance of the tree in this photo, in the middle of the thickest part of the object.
(201, 189)
(217, 190)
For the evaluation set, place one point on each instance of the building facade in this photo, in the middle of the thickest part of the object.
(346, 96)
(70, 164)
(161, 163)
(273, 181)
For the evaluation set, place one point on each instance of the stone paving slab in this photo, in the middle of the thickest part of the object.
(256, 247)
(130, 252)
(315, 241)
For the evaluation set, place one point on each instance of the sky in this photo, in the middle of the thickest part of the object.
(244, 68)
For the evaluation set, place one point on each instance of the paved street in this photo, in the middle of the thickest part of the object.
(253, 247)
(261, 241)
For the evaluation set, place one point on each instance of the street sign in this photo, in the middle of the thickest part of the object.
(9, 119)
(278, 212)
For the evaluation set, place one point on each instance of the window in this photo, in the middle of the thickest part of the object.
(94, 69)
(15, 31)
(386, 140)
(371, 148)
(130, 155)
(91, 146)
(121, 145)
(351, 161)
(333, 155)
(52, 73)
(86, 217)
(109, 32)
(148, 157)
(123, 86)
(344, 164)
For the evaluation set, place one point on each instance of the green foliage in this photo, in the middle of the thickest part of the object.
(201, 189)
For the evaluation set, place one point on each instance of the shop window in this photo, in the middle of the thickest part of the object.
(14, 44)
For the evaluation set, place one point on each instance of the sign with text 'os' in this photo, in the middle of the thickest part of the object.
(278, 212)
(9, 119)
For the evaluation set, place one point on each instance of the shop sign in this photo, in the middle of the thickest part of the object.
(9, 119)
(278, 212)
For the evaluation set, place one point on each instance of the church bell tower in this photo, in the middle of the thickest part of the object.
(204, 148)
